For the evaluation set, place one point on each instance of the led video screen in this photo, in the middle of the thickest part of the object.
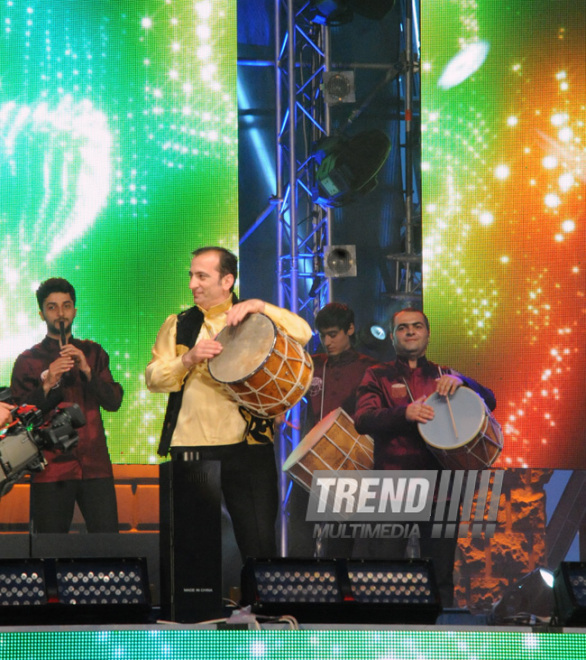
(434, 644)
(118, 157)
(504, 172)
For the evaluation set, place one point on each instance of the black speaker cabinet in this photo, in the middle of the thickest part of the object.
(191, 540)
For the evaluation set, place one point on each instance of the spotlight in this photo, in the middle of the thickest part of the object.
(100, 590)
(342, 591)
(374, 338)
(378, 332)
(338, 87)
(375, 333)
(347, 168)
(340, 261)
(23, 584)
(331, 12)
(526, 601)
(569, 590)
(338, 12)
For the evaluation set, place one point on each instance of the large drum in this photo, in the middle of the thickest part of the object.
(332, 444)
(468, 437)
(262, 368)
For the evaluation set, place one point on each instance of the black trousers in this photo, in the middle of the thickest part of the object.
(53, 503)
(249, 485)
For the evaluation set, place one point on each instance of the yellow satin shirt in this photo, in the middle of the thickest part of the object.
(208, 416)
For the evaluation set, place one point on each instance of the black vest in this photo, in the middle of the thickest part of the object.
(259, 430)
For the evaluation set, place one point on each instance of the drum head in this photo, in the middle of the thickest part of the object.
(247, 346)
(468, 411)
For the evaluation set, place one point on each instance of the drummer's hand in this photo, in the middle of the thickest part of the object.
(203, 350)
(419, 412)
(240, 311)
(448, 384)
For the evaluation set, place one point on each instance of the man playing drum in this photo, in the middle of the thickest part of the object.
(391, 402)
(336, 376)
(201, 416)
(337, 372)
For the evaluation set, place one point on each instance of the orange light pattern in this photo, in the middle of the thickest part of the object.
(504, 172)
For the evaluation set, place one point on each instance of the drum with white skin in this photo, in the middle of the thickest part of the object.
(262, 368)
(463, 435)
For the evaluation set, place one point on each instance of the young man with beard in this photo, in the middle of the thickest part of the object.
(64, 368)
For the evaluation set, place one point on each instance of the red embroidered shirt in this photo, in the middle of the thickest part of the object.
(90, 458)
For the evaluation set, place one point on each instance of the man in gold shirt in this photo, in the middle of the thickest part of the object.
(201, 416)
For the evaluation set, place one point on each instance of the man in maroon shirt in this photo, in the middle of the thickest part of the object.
(63, 368)
(337, 372)
(336, 376)
(391, 402)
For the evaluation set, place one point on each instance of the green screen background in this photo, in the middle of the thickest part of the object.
(118, 157)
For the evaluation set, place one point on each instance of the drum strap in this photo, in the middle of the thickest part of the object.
(411, 397)
(408, 389)
(323, 390)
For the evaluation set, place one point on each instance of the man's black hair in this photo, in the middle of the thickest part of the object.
(409, 309)
(54, 285)
(228, 260)
(334, 315)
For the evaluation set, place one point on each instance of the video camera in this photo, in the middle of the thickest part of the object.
(22, 440)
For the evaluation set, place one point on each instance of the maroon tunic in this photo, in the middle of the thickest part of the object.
(382, 401)
(90, 458)
(336, 378)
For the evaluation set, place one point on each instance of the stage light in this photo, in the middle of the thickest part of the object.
(338, 87)
(526, 601)
(74, 590)
(340, 261)
(111, 582)
(398, 583)
(297, 582)
(374, 337)
(330, 12)
(347, 167)
(22, 583)
(569, 590)
(378, 332)
(342, 591)
(339, 12)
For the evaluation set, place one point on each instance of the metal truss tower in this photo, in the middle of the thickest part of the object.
(302, 56)
(408, 276)
(302, 119)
